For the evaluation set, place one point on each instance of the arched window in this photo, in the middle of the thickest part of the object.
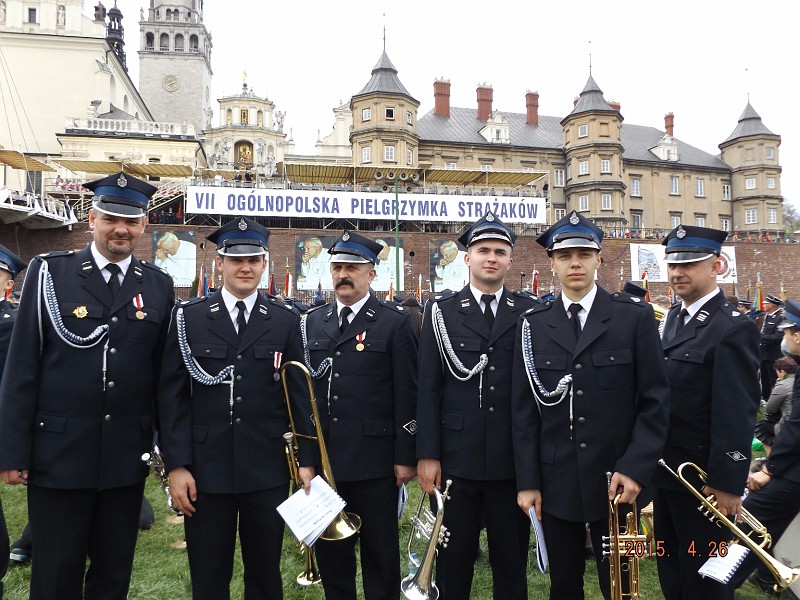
(245, 117)
(260, 117)
(125, 103)
(193, 43)
(229, 119)
(176, 15)
(179, 43)
(149, 41)
(163, 42)
(169, 14)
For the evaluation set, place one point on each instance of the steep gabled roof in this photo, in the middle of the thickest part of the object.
(384, 80)
(591, 100)
(749, 124)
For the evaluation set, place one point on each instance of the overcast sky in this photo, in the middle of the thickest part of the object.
(698, 59)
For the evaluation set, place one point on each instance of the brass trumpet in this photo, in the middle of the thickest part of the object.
(620, 545)
(420, 585)
(783, 574)
(345, 524)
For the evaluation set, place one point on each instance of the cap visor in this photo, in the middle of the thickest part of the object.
(687, 257)
(787, 324)
(575, 243)
(241, 250)
(118, 210)
(349, 258)
(491, 235)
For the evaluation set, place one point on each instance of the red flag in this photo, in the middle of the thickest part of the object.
(760, 239)
(535, 282)
(767, 238)
(646, 287)
(749, 239)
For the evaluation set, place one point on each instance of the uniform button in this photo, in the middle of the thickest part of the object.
(461, 344)
(491, 388)
(336, 376)
(238, 398)
(491, 369)
(208, 351)
(238, 357)
(111, 384)
(666, 358)
(581, 419)
(491, 348)
(338, 353)
(579, 393)
(582, 446)
(41, 423)
(335, 419)
(107, 418)
(316, 344)
(112, 350)
(238, 378)
(335, 398)
(238, 421)
(114, 319)
(491, 409)
(578, 367)
(686, 355)
(611, 358)
(548, 363)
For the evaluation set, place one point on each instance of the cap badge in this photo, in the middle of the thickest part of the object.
(681, 233)
(121, 181)
(345, 236)
(574, 219)
(489, 217)
(242, 225)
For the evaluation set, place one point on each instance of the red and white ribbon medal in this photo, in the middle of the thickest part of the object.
(360, 341)
(277, 375)
(138, 302)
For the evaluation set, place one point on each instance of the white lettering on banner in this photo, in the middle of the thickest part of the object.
(257, 202)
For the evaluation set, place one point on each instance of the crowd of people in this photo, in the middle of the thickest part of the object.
(528, 411)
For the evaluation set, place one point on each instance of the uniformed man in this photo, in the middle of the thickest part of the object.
(771, 339)
(590, 397)
(464, 415)
(79, 412)
(10, 266)
(362, 354)
(223, 415)
(774, 489)
(711, 350)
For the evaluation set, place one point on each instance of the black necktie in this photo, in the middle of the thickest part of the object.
(113, 281)
(241, 323)
(487, 308)
(574, 309)
(343, 314)
(681, 320)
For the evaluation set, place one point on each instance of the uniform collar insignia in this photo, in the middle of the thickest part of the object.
(735, 313)
(465, 302)
(635, 299)
(370, 314)
(510, 302)
(214, 307)
(701, 316)
(262, 309)
(411, 427)
(137, 272)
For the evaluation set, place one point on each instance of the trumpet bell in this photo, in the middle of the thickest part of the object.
(342, 527)
(413, 589)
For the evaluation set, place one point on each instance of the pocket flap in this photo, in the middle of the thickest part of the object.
(81, 311)
(374, 345)
(453, 420)
(206, 350)
(557, 362)
(691, 355)
(606, 358)
(266, 350)
(470, 344)
(319, 344)
(378, 427)
(148, 314)
(54, 423)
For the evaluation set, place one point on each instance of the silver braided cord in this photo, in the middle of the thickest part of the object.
(195, 370)
(662, 324)
(47, 294)
(324, 365)
(539, 391)
(446, 348)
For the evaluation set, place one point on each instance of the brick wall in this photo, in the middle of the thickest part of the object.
(775, 262)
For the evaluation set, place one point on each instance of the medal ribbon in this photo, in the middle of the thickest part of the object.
(361, 336)
(138, 302)
(278, 356)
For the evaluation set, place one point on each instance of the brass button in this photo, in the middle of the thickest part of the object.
(238, 357)
(337, 353)
(611, 358)
(335, 398)
(491, 409)
(491, 388)
(335, 419)
(462, 344)
(336, 376)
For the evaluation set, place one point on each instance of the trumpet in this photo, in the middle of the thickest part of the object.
(617, 546)
(345, 524)
(783, 574)
(419, 585)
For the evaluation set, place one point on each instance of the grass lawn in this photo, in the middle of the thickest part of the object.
(162, 572)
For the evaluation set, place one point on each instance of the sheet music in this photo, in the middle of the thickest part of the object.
(722, 568)
(308, 515)
(541, 548)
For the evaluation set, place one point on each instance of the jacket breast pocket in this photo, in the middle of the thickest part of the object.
(318, 344)
(207, 350)
(687, 366)
(372, 358)
(614, 368)
(550, 362)
(145, 327)
(81, 319)
(267, 351)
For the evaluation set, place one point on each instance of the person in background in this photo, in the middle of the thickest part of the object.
(779, 405)
(711, 352)
(770, 343)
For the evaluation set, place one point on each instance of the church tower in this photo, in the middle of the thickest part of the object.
(175, 62)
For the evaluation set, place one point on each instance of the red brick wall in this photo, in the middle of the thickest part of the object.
(775, 262)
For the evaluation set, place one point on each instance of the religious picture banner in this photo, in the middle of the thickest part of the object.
(448, 271)
(649, 258)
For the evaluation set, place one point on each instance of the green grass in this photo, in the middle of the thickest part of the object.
(162, 573)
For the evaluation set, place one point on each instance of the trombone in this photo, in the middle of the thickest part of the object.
(783, 574)
(621, 544)
(345, 524)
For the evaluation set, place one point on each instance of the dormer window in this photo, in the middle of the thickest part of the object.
(496, 130)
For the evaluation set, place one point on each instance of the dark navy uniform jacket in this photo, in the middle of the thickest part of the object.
(8, 314)
(770, 337)
(367, 398)
(620, 399)
(712, 364)
(467, 430)
(242, 452)
(56, 417)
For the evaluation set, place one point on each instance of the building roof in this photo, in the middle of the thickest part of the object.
(591, 99)
(463, 126)
(749, 124)
(117, 113)
(384, 80)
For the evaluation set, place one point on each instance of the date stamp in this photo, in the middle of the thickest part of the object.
(640, 549)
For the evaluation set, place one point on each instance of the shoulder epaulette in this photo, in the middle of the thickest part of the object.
(155, 268)
(732, 312)
(540, 306)
(444, 295)
(314, 308)
(393, 305)
(275, 301)
(527, 295)
(191, 301)
(628, 298)
(56, 253)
